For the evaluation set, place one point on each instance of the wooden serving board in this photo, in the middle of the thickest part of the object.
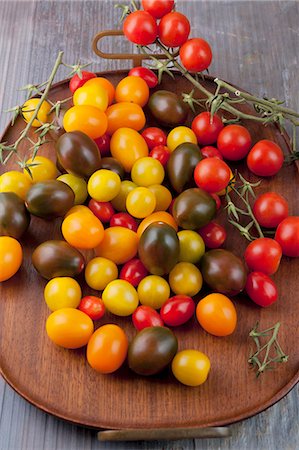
(60, 381)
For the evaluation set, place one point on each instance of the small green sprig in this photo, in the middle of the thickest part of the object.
(267, 353)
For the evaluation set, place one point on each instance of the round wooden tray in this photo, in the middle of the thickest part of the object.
(61, 382)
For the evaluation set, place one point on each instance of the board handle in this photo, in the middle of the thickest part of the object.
(136, 58)
(173, 434)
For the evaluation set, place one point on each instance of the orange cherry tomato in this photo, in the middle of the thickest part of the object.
(11, 255)
(107, 348)
(106, 84)
(125, 114)
(88, 119)
(127, 146)
(132, 89)
(158, 216)
(119, 245)
(82, 230)
(217, 314)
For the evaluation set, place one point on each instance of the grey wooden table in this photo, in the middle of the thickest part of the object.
(256, 46)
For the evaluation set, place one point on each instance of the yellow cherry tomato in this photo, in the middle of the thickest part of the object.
(106, 84)
(104, 185)
(119, 245)
(79, 208)
(163, 196)
(217, 314)
(29, 108)
(11, 255)
(186, 279)
(179, 135)
(107, 348)
(132, 89)
(147, 171)
(16, 182)
(119, 202)
(141, 202)
(192, 246)
(44, 169)
(69, 328)
(159, 216)
(62, 292)
(82, 230)
(228, 189)
(88, 119)
(120, 298)
(127, 146)
(191, 367)
(77, 184)
(125, 114)
(153, 291)
(99, 272)
(96, 96)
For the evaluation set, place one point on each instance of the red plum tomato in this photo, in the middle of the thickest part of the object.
(92, 306)
(217, 200)
(133, 271)
(123, 219)
(265, 158)
(103, 143)
(210, 152)
(174, 29)
(140, 28)
(287, 235)
(146, 74)
(207, 128)
(145, 316)
(102, 210)
(270, 209)
(161, 153)
(177, 310)
(263, 255)
(154, 136)
(234, 142)
(261, 289)
(196, 55)
(213, 235)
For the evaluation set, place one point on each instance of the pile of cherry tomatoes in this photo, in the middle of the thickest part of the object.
(144, 202)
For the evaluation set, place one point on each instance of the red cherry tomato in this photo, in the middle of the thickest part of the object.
(161, 153)
(158, 8)
(77, 82)
(174, 29)
(287, 235)
(125, 220)
(103, 144)
(154, 136)
(207, 128)
(217, 200)
(234, 142)
(212, 174)
(146, 74)
(92, 306)
(102, 210)
(270, 209)
(145, 316)
(263, 255)
(261, 289)
(211, 152)
(265, 158)
(196, 55)
(213, 235)
(133, 271)
(177, 310)
(140, 28)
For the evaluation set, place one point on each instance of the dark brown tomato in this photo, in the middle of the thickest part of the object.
(193, 209)
(159, 248)
(168, 108)
(223, 271)
(181, 165)
(14, 217)
(57, 259)
(50, 199)
(152, 350)
(78, 154)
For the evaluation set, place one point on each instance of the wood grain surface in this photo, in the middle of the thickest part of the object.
(31, 35)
